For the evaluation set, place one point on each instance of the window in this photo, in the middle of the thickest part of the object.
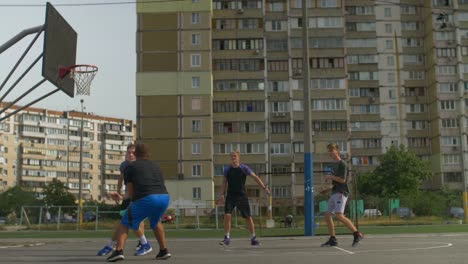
(388, 28)
(195, 60)
(196, 170)
(196, 193)
(196, 148)
(196, 103)
(196, 82)
(196, 126)
(389, 44)
(195, 18)
(196, 39)
(390, 60)
(388, 12)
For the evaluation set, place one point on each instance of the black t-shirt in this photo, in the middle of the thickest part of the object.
(146, 177)
(339, 169)
(236, 179)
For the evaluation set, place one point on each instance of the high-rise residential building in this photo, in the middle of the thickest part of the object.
(38, 145)
(216, 76)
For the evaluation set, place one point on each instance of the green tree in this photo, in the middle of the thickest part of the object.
(14, 198)
(400, 171)
(56, 194)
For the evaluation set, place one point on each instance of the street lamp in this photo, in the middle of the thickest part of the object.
(80, 182)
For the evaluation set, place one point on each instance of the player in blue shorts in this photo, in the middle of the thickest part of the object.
(150, 199)
(140, 251)
(234, 181)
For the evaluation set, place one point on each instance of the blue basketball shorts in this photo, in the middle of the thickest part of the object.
(152, 206)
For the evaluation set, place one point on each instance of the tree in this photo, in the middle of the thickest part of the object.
(400, 171)
(14, 198)
(56, 194)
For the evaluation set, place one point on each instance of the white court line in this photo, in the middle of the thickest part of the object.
(344, 250)
(407, 249)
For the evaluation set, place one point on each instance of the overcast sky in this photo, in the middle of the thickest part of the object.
(106, 38)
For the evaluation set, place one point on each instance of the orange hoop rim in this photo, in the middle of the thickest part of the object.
(78, 68)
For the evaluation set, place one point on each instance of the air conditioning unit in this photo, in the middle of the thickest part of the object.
(257, 51)
(240, 11)
(297, 72)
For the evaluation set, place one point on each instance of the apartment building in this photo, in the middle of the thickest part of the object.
(229, 75)
(38, 145)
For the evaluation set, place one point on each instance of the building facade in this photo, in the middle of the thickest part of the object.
(39, 145)
(216, 76)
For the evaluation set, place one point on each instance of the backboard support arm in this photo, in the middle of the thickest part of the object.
(22, 56)
(22, 96)
(20, 36)
(20, 78)
(31, 103)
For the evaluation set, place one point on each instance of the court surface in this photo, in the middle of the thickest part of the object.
(381, 249)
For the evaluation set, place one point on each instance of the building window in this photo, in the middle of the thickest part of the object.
(389, 44)
(195, 60)
(196, 148)
(196, 126)
(196, 103)
(195, 18)
(196, 193)
(196, 170)
(388, 28)
(195, 82)
(388, 12)
(196, 39)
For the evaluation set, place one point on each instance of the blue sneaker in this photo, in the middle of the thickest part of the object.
(254, 241)
(225, 242)
(104, 251)
(144, 249)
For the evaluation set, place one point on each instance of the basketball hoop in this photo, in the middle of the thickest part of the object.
(82, 74)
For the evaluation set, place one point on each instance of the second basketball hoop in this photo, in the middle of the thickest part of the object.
(82, 74)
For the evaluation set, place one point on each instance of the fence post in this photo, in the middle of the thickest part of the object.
(216, 216)
(40, 218)
(197, 216)
(235, 218)
(177, 217)
(59, 214)
(21, 216)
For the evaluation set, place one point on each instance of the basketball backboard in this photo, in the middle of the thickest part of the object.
(60, 42)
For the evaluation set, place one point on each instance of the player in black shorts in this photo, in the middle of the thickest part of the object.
(234, 181)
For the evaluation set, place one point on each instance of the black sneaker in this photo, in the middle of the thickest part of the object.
(330, 243)
(163, 254)
(357, 238)
(116, 256)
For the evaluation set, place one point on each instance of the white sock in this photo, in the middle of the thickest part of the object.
(111, 243)
(227, 235)
(143, 240)
(252, 235)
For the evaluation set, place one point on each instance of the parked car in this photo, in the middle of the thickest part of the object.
(457, 212)
(371, 213)
(3, 220)
(403, 212)
(89, 216)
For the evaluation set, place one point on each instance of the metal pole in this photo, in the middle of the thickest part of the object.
(80, 182)
(309, 225)
(68, 148)
(20, 36)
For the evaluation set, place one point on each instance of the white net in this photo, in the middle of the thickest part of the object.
(83, 76)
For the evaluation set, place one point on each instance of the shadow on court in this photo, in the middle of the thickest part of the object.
(381, 249)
